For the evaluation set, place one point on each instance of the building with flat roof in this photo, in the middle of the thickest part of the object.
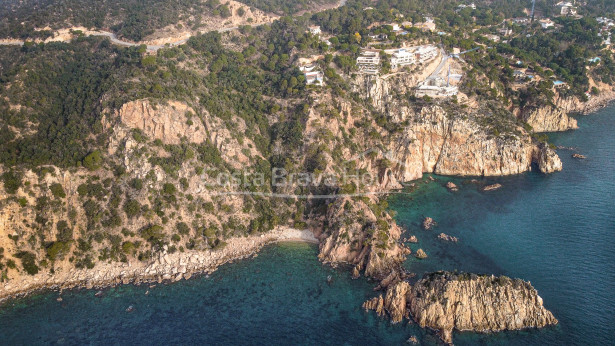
(314, 78)
(402, 58)
(425, 53)
(566, 8)
(315, 30)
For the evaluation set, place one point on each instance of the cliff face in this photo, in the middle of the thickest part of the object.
(448, 142)
(467, 302)
(169, 123)
(549, 119)
(437, 143)
(356, 235)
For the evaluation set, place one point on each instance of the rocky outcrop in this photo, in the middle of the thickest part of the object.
(446, 237)
(429, 223)
(420, 254)
(170, 122)
(355, 235)
(492, 187)
(438, 143)
(546, 159)
(452, 187)
(394, 302)
(549, 119)
(466, 302)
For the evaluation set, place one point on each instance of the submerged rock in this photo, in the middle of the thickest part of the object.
(447, 237)
(492, 187)
(466, 302)
(451, 186)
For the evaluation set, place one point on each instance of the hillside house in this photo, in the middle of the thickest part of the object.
(565, 8)
(402, 58)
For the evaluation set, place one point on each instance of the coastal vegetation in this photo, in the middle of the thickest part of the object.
(98, 181)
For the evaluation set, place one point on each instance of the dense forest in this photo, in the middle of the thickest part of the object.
(131, 19)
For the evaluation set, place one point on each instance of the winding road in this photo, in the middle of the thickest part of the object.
(115, 40)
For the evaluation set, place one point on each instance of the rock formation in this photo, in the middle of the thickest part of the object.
(549, 119)
(451, 186)
(420, 254)
(355, 235)
(466, 302)
(447, 237)
(429, 223)
(492, 187)
(546, 159)
(168, 123)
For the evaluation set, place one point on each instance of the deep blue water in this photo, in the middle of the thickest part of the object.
(558, 231)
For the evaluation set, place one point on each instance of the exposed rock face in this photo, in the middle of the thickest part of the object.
(353, 235)
(547, 159)
(168, 123)
(445, 301)
(549, 119)
(436, 143)
(394, 302)
(376, 304)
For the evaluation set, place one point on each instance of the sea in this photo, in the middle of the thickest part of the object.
(557, 231)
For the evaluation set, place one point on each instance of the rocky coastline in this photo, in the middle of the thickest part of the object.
(165, 267)
(445, 301)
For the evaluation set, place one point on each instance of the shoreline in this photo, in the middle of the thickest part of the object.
(164, 268)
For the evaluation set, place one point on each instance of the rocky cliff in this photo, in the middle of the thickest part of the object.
(361, 234)
(466, 302)
(549, 119)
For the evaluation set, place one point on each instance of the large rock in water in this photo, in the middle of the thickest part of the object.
(467, 302)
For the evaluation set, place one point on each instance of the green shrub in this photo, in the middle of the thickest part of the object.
(57, 250)
(132, 208)
(128, 247)
(182, 228)
(93, 161)
(65, 233)
(57, 190)
(136, 184)
(28, 261)
(169, 189)
(12, 181)
(153, 234)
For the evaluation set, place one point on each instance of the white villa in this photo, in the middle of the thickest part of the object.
(546, 23)
(426, 53)
(369, 61)
(402, 58)
(566, 8)
(314, 78)
(315, 30)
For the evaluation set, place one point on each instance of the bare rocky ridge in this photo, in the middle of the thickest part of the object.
(466, 302)
(169, 123)
(354, 235)
(446, 301)
(549, 119)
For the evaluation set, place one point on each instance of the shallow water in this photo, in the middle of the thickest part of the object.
(556, 231)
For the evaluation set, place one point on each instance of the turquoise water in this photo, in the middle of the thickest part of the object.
(556, 231)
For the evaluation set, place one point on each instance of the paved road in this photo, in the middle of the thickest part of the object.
(436, 72)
